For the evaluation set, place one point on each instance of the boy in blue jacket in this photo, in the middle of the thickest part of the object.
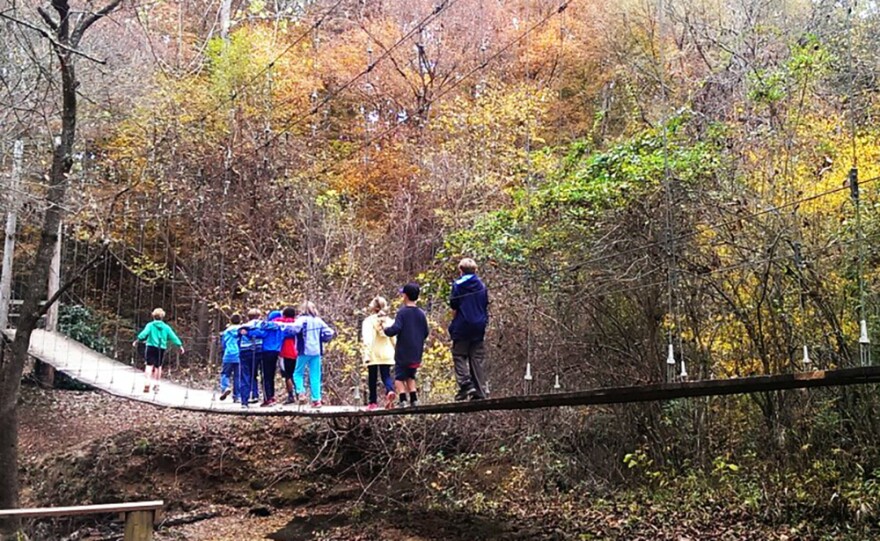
(470, 307)
(251, 347)
(229, 341)
(273, 337)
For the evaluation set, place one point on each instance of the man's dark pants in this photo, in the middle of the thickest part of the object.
(468, 357)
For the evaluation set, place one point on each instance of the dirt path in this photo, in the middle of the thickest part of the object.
(56, 422)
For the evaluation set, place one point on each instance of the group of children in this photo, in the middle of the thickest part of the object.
(293, 340)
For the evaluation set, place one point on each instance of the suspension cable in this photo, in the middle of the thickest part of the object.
(864, 339)
(671, 249)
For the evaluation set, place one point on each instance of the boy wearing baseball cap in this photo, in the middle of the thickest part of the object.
(411, 329)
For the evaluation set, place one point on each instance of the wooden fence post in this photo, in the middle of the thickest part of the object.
(139, 526)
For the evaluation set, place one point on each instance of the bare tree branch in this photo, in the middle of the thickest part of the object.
(47, 18)
(55, 43)
(92, 19)
(76, 276)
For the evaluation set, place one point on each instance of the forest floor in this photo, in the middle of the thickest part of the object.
(228, 478)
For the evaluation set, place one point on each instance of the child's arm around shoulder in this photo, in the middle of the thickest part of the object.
(327, 333)
(395, 328)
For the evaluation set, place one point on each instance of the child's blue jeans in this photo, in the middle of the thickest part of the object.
(230, 370)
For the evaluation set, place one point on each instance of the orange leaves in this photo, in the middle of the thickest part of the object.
(372, 178)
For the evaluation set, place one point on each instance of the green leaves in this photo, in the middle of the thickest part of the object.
(83, 325)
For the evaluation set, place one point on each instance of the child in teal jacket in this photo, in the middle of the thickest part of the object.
(156, 335)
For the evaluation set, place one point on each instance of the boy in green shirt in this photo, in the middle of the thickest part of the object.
(156, 335)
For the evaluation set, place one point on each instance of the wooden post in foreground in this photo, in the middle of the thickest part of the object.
(139, 516)
(139, 525)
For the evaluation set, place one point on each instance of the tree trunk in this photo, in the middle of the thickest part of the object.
(8, 449)
(65, 41)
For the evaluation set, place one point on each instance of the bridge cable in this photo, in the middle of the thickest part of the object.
(557, 385)
(864, 339)
(527, 376)
(673, 328)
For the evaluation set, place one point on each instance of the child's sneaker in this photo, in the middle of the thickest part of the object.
(303, 399)
(225, 394)
(389, 400)
(413, 403)
(372, 407)
(146, 388)
(290, 400)
(155, 388)
(244, 406)
(316, 404)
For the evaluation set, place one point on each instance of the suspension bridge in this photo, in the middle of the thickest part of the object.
(121, 380)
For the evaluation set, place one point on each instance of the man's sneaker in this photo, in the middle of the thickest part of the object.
(373, 407)
(389, 400)
(290, 400)
(254, 400)
(244, 406)
(465, 393)
(477, 396)
(225, 394)
(316, 404)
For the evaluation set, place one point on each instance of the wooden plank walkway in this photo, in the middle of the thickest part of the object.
(121, 380)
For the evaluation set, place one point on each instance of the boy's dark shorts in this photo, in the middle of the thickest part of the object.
(403, 373)
(154, 356)
(288, 366)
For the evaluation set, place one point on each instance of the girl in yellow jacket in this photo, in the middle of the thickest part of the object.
(378, 352)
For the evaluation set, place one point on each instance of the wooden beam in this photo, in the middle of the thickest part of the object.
(41, 512)
(651, 392)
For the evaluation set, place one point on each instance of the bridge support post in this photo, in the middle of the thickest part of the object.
(139, 526)
(45, 374)
(9, 241)
(54, 284)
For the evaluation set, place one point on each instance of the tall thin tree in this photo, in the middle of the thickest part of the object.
(64, 31)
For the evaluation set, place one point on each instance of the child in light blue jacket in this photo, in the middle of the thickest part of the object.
(311, 334)
(230, 341)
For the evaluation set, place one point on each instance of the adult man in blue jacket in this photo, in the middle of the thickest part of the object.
(470, 305)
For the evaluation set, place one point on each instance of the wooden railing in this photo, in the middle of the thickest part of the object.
(139, 516)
